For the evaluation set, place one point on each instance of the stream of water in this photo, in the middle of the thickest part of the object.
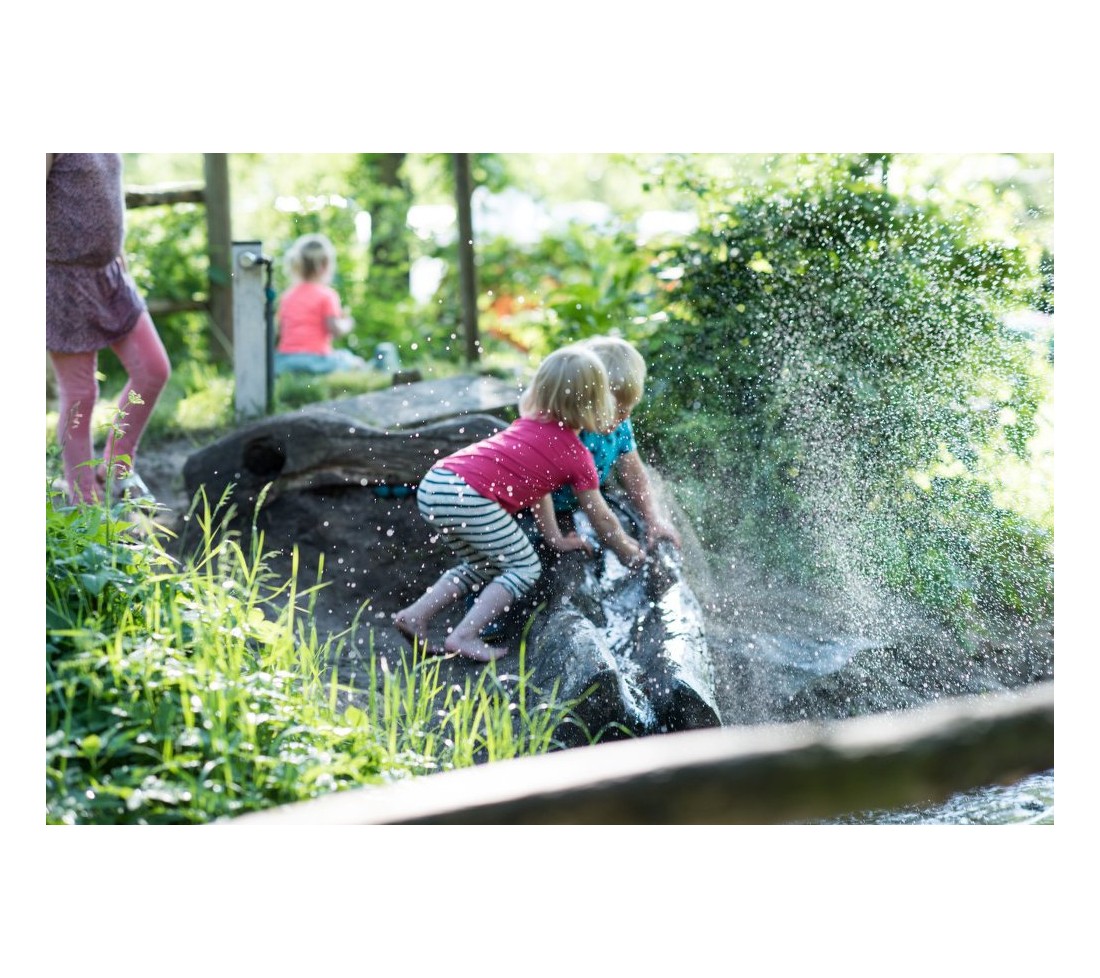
(1029, 801)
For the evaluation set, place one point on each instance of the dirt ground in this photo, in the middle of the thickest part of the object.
(160, 464)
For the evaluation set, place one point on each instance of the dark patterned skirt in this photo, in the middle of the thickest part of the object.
(89, 308)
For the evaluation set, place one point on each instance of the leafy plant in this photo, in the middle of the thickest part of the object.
(564, 287)
(825, 347)
(190, 692)
(167, 255)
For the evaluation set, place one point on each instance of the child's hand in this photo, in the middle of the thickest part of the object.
(658, 531)
(635, 558)
(571, 541)
(341, 325)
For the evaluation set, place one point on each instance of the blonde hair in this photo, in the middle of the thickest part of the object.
(310, 256)
(571, 386)
(626, 368)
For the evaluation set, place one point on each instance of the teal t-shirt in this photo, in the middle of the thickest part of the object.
(605, 450)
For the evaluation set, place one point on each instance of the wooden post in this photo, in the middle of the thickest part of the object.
(219, 238)
(467, 274)
(251, 345)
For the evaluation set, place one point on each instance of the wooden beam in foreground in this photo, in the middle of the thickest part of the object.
(772, 774)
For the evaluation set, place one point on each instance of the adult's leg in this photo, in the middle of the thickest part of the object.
(143, 355)
(77, 390)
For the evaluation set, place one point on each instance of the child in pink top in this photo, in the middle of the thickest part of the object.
(310, 313)
(472, 495)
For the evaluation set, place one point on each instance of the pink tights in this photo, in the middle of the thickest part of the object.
(142, 353)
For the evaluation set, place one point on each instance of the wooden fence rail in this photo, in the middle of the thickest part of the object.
(774, 774)
(184, 193)
(164, 307)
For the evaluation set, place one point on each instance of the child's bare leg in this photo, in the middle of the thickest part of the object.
(412, 621)
(142, 354)
(77, 390)
(466, 638)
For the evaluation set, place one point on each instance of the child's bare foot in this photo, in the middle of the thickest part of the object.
(415, 633)
(473, 648)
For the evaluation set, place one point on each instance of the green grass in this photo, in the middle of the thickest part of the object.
(174, 694)
(293, 391)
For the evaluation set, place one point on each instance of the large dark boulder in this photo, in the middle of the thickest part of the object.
(323, 448)
(319, 482)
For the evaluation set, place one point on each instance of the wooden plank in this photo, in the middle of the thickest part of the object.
(773, 774)
(219, 248)
(164, 307)
(410, 405)
(189, 193)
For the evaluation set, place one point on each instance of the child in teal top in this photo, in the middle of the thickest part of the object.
(606, 450)
(616, 450)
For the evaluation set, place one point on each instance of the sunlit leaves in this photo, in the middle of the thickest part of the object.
(836, 330)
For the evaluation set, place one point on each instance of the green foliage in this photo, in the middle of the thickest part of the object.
(166, 252)
(489, 717)
(170, 695)
(293, 391)
(198, 400)
(189, 693)
(958, 552)
(603, 282)
(559, 289)
(830, 344)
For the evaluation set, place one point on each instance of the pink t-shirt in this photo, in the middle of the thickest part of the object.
(525, 461)
(303, 312)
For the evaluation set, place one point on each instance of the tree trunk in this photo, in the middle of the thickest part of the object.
(219, 243)
(388, 199)
(467, 273)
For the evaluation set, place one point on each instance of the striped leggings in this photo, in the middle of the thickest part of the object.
(487, 540)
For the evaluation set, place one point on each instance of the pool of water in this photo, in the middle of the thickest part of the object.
(1029, 801)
